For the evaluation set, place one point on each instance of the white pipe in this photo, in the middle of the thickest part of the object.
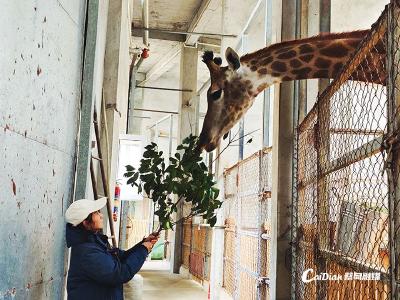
(159, 121)
(171, 125)
(145, 19)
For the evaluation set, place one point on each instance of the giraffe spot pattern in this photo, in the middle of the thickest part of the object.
(285, 49)
(263, 71)
(321, 74)
(295, 63)
(301, 73)
(322, 63)
(353, 43)
(274, 74)
(253, 68)
(266, 60)
(286, 78)
(337, 67)
(279, 66)
(307, 58)
(335, 50)
(306, 48)
(288, 54)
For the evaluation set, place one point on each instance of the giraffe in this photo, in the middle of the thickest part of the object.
(234, 87)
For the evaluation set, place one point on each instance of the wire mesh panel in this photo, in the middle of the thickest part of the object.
(247, 219)
(346, 187)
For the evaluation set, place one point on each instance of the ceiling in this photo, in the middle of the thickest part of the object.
(171, 20)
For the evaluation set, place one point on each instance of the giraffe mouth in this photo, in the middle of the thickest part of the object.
(206, 144)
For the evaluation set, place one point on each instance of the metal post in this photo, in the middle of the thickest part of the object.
(393, 159)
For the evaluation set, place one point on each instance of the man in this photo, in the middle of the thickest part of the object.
(98, 271)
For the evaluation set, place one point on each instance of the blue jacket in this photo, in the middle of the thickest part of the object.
(96, 270)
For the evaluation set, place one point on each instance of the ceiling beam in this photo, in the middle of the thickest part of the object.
(163, 65)
(201, 17)
(158, 35)
(204, 6)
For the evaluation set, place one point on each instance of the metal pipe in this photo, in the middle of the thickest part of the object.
(171, 124)
(147, 29)
(145, 19)
(93, 177)
(157, 111)
(204, 86)
(159, 121)
(163, 89)
(103, 178)
(136, 68)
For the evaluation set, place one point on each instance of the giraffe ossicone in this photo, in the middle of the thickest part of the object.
(234, 87)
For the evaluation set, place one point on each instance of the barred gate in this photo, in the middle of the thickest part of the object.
(347, 201)
(196, 248)
(247, 212)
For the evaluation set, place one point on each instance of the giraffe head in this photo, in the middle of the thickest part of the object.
(230, 95)
(234, 87)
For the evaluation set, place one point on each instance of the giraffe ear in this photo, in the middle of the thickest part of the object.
(232, 58)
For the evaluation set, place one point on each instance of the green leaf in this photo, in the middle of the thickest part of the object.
(129, 174)
(136, 176)
(212, 221)
(129, 168)
(130, 181)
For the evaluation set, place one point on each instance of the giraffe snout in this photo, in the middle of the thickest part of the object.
(206, 142)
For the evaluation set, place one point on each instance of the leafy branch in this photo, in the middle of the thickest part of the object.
(186, 176)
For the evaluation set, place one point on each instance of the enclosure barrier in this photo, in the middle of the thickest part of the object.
(247, 210)
(347, 201)
(196, 250)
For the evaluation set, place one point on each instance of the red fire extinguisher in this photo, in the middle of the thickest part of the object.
(117, 194)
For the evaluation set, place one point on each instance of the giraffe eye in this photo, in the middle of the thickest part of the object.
(216, 95)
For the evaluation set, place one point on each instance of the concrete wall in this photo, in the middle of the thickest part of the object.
(41, 61)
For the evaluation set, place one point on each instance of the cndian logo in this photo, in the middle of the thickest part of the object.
(308, 276)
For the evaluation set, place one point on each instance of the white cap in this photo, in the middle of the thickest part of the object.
(80, 209)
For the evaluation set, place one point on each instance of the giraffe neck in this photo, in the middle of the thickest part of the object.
(317, 57)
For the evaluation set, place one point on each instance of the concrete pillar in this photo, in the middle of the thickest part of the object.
(188, 123)
(283, 139)
(116, 84)
(324, 26)
(82, 168)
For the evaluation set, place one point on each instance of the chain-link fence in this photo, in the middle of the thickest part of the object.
(247, 187)
(347, 202)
